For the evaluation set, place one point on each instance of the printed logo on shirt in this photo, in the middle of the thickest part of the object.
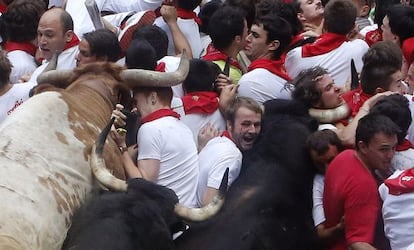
(16, 104)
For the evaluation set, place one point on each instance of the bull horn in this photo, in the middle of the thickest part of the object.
(58, 78)
(204, 213)
(98, 165)
(52, 65)
(147, 78)
(330, 115)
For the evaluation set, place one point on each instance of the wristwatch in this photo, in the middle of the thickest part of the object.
(123, 149)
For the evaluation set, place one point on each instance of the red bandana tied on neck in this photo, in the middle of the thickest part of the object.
(201, 102)
(188, 14)
(274, 66)
(227, 134)
(23, 46)
(159, 114)
(373, 36)
(404, 145)
(404, 183)
(3, 8)
(160, 67)
(408, 50)
(213, 54)
(72, 43)
(324, 44)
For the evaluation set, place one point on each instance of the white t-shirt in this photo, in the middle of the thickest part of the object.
(337, 61)
(168, 140)
(410, 135)
(171, 65)
(66, 60)
(13, 99)
(196, 121)
(317, 210)
(398, 214)
(262, 85)
(218, 154)
(130, 5)
(189, 28)
(402, 160)
(23, 64)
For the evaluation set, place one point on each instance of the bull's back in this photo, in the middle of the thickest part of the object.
(44, 173)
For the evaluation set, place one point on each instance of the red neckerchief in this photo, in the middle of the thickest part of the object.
(274, 66)
(324, 44)
(355, 99)
(373, 36)
(72, 43)
(23, 46)
(227, 134)
(408, 50)
(188, 14)
(3, 8)
(160, 67)
(202, 102)
(404, 183)
(213, 54)
(404, 145)
(159, 114)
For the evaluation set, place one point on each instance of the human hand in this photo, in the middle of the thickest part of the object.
(227, 95)
(169, 13)
(206, 133)
(117, 131)
(221, 81)
(368, 104)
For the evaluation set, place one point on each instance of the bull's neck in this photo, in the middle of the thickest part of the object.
(103, 91)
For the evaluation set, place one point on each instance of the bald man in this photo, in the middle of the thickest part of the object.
(55, 34)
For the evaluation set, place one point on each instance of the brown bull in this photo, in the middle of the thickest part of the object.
(45, 145)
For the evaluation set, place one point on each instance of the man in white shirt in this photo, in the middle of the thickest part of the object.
(269, 36)
(55, 35)
(11, 95)
(243, 119)
(187, 21)
(331, 50)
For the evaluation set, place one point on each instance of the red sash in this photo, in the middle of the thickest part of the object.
(72, 43)
(355, 99)
(159, 114)
(373, 36)
(404, 183)
(188, 14)
(3, 8)
(274, 66)
(213, 54)
(202, 102)
(324, 44)
(23, 46)
(160, 67)
(403, 146)
(408, 50)
(227, 134)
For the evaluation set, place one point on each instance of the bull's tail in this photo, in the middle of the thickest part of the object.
(98, 166)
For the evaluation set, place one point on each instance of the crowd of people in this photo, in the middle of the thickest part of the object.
(350, 62)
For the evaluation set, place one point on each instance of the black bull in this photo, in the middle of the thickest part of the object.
(269, 206)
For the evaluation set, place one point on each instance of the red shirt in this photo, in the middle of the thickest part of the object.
(351, 191)
(355, 99)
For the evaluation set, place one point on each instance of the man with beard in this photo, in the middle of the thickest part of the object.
(243, 120)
